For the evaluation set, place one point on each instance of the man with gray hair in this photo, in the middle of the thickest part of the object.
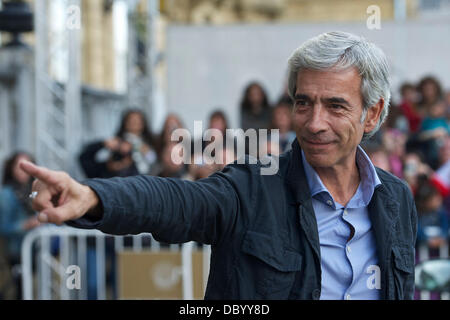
(327, 225)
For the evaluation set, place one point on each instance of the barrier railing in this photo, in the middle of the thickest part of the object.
(51, 256)
(423, 252)
(56, 262)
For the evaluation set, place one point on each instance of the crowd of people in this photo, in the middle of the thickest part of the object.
(413, 144)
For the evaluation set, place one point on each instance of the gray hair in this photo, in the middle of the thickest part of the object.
(342, 50)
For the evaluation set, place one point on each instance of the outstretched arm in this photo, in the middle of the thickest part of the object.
(173, 210)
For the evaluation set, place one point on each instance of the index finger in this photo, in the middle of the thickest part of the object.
(40, 173)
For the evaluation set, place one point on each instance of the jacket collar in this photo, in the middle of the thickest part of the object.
(301, 198)
(296, 177)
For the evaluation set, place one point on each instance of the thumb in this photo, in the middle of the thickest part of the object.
(57, 215)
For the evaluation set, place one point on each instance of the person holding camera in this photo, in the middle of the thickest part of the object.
(130, 152)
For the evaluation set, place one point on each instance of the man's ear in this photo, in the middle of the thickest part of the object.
(373, 115)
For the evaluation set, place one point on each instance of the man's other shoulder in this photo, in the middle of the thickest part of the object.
(393, 184)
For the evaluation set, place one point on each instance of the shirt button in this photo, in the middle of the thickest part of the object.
(348, 249)
(345, 212)
(348, 297)
(329, 202)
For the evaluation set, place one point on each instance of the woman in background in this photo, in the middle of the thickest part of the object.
(16, 215)
(281, 120)
(130, 152)
(171, 123)
(255, 108)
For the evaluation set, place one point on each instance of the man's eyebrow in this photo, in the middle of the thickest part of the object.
(337, 100)
(302, 97)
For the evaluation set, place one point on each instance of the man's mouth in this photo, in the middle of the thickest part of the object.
(318, 142)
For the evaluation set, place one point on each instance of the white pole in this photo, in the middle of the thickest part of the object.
(186, 269)
(206, 264)
(82, 263)
(42, 95)
(100, 264)
(72, 99)
(27, 264)
(400, 10)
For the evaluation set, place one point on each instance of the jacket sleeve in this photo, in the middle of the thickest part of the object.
(173, 210)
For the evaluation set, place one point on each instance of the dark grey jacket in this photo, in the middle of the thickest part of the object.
(262, 228)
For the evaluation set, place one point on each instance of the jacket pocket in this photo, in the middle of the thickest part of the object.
(403, 269)
(273, 264)
(404, 258)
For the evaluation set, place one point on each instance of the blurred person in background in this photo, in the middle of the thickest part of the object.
(171, 123)
(166, 167)
(444, 151)
(255, 108)
(281, 120)
(136, 131)
(408, 106)
(433, 132)
(441, 178)
(394, 142)
(218, 120)
(433, 219)
(447, 102)
(16, 215)
(435, 123)
(430, 131)
(379, 156)
(130, 152)
(203, 163)
(414, 168)
(430, 91)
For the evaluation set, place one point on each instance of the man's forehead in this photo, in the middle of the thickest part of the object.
(344, 82)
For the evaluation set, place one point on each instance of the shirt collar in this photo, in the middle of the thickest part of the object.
(366, 188)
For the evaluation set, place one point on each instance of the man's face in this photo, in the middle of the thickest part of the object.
(327, 115)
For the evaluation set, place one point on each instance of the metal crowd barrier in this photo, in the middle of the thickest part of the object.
(41, 267)
(423, 253)
(45, 268)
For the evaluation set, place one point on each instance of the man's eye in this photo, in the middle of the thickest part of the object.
(336, 106)
(301, 103)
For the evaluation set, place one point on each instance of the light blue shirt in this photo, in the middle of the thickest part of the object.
(349, 267)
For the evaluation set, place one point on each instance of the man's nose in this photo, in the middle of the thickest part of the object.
(317, 120)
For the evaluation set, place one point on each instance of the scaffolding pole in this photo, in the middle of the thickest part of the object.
(42, 94)
(72, 97)
(140, 77)
(58, 125)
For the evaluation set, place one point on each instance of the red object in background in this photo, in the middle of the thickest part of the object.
(414, 119)
(441, 179)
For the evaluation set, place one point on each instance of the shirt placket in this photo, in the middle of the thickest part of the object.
(348, 252)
